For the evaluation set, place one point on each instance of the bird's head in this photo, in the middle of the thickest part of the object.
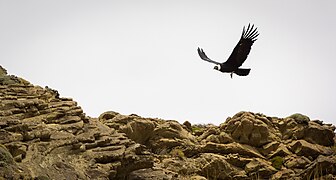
(217, 67)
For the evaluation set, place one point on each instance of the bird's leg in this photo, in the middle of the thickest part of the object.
(231, 74)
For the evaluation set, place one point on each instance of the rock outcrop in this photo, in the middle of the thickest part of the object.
(45, 136)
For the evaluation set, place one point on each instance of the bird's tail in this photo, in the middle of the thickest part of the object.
(242, 72)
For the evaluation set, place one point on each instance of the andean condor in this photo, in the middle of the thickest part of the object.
(238, 55)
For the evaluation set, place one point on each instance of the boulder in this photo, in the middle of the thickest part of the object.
(208, 132)
(158, 134)
(299, 126)
(249, 128)
(216, 167)
(260, 168)
(269, 148)
(281, 151)
(319, 134)
(168, 135)
(237, 160)
(297, 162)
(304, 148)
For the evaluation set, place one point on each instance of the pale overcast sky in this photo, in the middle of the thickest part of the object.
(140, 56)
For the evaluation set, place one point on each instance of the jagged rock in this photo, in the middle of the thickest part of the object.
(160, 135)
(224, 138)
(299, 126)
(216, 167)
(248, 128)
(208, 132)
(319, 134)
(212, 166)
(283, 174)
(282, 151)
(304, 148)
(18, 150)
(260, 168)
(237, 160)
(171, 129)
(107, 115)
(231, 148)
(8, 168)
(187, 124)
(3, 71)
(199, 129)
(133, 126)
(269, 148)
(149, 173)
(45, 136)
(168, 135)
(295, 161)
(5, 156)
(136, 128)
(322, 167)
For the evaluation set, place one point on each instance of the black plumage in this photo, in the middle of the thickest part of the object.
(238, 55)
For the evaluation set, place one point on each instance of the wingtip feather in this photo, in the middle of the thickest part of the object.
(250, 33)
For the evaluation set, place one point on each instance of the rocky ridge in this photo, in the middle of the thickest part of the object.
(45, 136)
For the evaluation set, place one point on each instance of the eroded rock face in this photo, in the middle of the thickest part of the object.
(157, 134)
(50, 137)
(247, 128)
(319, 134)
(45, 136)
(136, 128)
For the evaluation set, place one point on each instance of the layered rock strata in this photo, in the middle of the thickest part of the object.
(45, 136)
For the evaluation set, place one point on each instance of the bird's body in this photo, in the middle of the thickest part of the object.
(238, 55)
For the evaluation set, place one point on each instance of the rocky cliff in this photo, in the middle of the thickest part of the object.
(45, 136)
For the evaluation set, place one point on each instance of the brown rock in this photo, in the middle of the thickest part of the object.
(149, 173)
(241, 149)
(269, 148)
(304, 148)
(216, 167)
(295, 161)
(237, 160)
(197, 177)
(170, 134)
(283, 174)
(248, 128)
(187, 125)
(139, 130)
(323, 166)
(208, 132)
(208, 165)
(8, 168)
(224, 138)
(281, 151)
(45, 136)
(319, 134)
(260, 168)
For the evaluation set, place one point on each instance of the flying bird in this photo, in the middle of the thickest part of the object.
(238, 55)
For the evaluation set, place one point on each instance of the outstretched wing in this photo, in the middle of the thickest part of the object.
(243, 48)
(205, 57)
